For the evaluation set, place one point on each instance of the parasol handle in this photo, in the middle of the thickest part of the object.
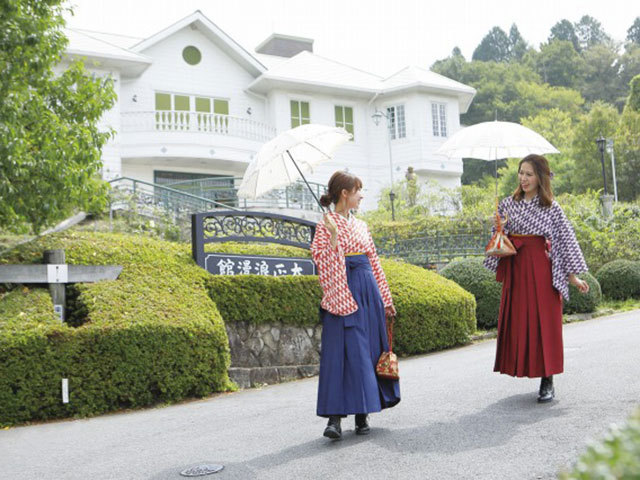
(305, 180)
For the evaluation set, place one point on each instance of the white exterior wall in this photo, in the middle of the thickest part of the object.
(217, 75)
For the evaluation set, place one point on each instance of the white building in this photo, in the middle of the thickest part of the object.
(193, 103)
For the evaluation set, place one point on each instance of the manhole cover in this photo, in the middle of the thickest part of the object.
(202, 470)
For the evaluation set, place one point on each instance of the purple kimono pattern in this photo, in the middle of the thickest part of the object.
(529, 217)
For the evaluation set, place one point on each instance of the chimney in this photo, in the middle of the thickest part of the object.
(285, 45)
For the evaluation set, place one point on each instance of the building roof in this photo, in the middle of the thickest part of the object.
(309, 69)
(83, 44)
(303, 71)
(214, 33)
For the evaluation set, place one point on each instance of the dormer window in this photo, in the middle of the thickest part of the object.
(191, 55)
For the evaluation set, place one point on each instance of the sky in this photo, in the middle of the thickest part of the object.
(378, 36)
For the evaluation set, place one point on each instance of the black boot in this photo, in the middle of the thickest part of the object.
(362, 424)
(333, 429)
(546, 392)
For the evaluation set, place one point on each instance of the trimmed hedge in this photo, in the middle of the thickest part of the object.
(581, 302)
(616, 456)
(433, 313)
(156, 335)
(153, 335)
(471, 275)
(620, 279)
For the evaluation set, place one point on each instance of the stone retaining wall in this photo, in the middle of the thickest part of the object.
(272, 353)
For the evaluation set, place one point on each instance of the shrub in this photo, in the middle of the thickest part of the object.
(153, 335)
(620, 279)
(617, 456)
(581, 302)
(471, 275)
(433, 312)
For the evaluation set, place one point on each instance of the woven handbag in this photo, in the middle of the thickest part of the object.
(387, 366)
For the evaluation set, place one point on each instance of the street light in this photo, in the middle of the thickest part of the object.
(601, 141)
(613, 168)
(377, 117)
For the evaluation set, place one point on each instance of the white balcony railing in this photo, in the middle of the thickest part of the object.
(181, 121)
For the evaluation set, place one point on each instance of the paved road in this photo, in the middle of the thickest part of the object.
(457, 420)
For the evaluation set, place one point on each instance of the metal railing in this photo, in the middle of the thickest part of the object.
(198, 122)
(225, 190)
(436, 248)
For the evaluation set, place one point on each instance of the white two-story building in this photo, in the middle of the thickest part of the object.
(193, 103)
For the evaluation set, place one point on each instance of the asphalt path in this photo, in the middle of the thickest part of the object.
(457, 420)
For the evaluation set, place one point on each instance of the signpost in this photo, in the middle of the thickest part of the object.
(56, 273)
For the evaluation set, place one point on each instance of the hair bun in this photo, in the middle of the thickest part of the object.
(325, 200)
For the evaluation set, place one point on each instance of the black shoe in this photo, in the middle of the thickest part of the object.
(333, 429)
(547, 391)
(362, 424)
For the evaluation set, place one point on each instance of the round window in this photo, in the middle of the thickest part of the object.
(191, 55)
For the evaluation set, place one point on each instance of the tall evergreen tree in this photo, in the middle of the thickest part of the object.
(633, 34)
(564, 30)
(494, 47)
(590, 32)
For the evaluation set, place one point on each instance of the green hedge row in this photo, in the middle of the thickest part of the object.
(470, 274)
(620, 279)
(433, 313)
(153, 335)
(157, 335)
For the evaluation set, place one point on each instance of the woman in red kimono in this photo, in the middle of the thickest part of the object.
(355, 303)
(535, 279)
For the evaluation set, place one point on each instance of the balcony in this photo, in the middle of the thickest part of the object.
(191, 134)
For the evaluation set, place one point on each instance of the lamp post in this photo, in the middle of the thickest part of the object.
(377, 116)
(601, 141)
(613, 168)
(607, 200)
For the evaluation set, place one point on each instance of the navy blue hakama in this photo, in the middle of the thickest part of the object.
(351, 347)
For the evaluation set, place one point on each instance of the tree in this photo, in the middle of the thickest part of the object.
(557, 127)
(633, 34)
(565, 31)
(633, 101)
(50, 144)
(589, 32)
(559, 64)
(600, 81)
(517, 46)
(627, 151)
(602, 120)
(451, 66)
(629, 67)
(494, 47)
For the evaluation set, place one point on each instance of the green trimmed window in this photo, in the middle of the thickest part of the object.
(344, 118)
(299, 113)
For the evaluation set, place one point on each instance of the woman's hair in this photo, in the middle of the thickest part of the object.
(543, 173)
(339, 181)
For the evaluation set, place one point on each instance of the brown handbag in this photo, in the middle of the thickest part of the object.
(387, 366)
(500, 245)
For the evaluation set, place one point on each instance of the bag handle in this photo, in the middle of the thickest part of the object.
(390, 333)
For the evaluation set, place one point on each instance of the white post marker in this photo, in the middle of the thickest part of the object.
(65, 390)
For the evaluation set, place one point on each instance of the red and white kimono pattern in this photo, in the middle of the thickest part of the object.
(353, 237)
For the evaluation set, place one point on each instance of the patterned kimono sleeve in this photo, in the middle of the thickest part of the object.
(378, 273)
(492, 262)
(565, 250)
(566, 256)
(330, 262)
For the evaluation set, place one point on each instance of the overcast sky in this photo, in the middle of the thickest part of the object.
(379, 36)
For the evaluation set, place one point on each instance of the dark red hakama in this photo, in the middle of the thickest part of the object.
(530, 318)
